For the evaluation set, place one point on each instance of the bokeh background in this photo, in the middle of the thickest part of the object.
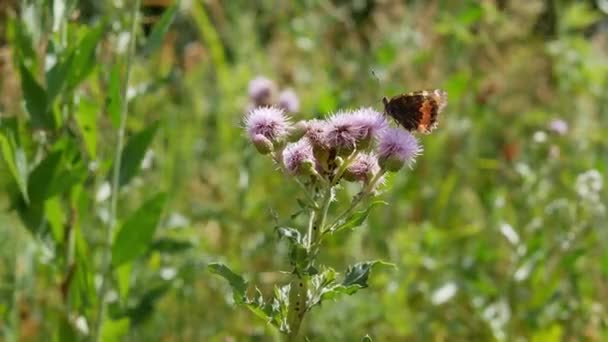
(499, 232)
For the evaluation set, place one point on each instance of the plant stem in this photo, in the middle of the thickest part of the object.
(107, 251)
(362, 195)
(316, 225)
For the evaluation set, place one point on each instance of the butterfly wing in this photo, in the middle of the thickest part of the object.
(417, 110)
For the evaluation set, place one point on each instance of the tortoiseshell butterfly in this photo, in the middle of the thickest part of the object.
(417, 110)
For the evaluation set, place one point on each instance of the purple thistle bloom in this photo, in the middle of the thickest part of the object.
(269, 122)
(396, 148)
(288, 100)
(371, 121)
(363, 168)
(315, 132)
(298, 157)
(343, 132)
(558, 126)
(261, 91)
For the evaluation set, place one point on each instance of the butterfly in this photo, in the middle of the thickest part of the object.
(417, 110)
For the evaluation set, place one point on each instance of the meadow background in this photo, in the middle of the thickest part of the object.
(499, 232)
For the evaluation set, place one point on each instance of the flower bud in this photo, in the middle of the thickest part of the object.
(262, 144)
(298, 131)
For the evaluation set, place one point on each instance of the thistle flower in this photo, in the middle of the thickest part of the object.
(372, 124)
(289, 101)
(315, 132)
(396, 148)
(261, 91)
(269, 122)
(363, 168)
(298, 158)
(558, 126)
(343, 132)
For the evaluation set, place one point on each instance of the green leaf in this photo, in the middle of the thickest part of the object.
(84, 56)
(57, 76)
(135, 235)
(114, 330)
(145, 306)
(160, 30)
(114, 99)
(86, 119)
(35, 101)
(134, 153)
(123, 278)
(358, 274)
(56, 217)
(42, 177)
(14, 155)
(366, 338)
(356, 278)
(291, 234)
(238, 284)
(356, 219)
(171, 246)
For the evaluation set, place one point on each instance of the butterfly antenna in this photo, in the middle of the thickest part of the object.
(375, 76)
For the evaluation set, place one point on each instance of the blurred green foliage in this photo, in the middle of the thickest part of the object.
(499, 232)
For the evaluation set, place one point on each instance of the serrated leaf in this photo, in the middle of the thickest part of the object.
(238, 284)
(160, 30)
(356, 278)
(134, 153)
(35, 100)
(356, 219)
(291, 234)
(135, 235)
(358, 274)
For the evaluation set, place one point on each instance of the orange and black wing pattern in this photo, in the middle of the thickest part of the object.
(418, 110)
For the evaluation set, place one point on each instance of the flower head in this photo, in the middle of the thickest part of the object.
(558, 126)
(343, 132)
(289, 101)
(261, 91)
(371, 122)
(298, 157)
(396, 148)
(363, 168)
(315, 132)
(269, 122)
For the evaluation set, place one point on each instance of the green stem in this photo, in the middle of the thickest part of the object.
(107, 251)
(360, 197)
(298, 302)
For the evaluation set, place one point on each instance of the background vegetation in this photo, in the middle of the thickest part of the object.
(499, 232)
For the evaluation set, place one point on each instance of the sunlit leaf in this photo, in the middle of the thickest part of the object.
(86, 119)
(84, 56)
(114, 330)
(136, 234)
